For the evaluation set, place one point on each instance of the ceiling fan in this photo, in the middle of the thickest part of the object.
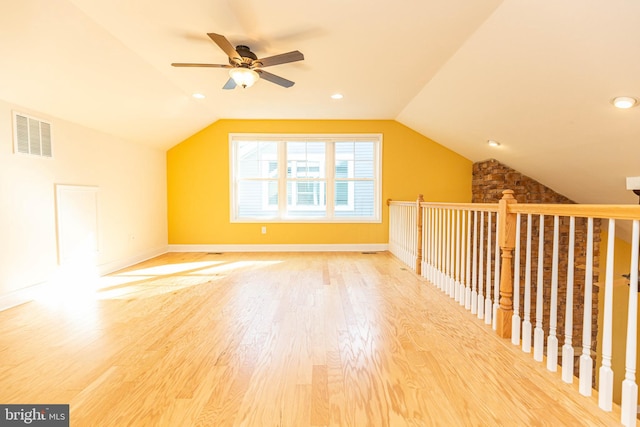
(244, 66)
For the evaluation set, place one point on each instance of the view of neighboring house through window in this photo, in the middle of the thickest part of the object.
(305, 178)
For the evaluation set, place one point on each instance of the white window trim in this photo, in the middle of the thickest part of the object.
(377, 138)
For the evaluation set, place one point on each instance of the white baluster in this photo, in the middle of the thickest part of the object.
(402, 232)
(392, 223)
(391, 229)
(629, 386)
(449, 284)
(496, 277)
(462, 256)
(413, 225)
(408, 232)
(487, 299)
(448, 255)
(425, 247)
(538, 333)
(480, 301)
(427, 242)
(402, 237)
(552, 339)
(409, 249)
(422, 211)
(399, 236)
(457, 258)
(567, 348)
(434, 239)
(467, 275)
(586, 362)
(441, 238)
(605, 390)
(434, 244)
(436, 247)
(515, 320)
(445, 236)
(526, 324)
(452, 256)
(405, 234)
(474, 279)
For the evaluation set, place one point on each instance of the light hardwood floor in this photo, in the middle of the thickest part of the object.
(291, 340)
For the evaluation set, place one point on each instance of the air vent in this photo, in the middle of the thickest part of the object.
(31, 136)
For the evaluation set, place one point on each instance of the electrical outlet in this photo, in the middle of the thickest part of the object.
(264, 230)
(633, 183)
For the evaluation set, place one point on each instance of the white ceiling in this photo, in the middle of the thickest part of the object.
(538, 76)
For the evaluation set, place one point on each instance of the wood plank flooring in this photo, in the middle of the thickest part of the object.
(275, 339)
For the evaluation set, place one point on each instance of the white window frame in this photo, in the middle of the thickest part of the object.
(280, 212)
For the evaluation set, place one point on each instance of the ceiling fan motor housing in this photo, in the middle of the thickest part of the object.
(247, 56)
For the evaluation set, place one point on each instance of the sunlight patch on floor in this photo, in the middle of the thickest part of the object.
(78, 286)
(234, 266)
(161, 270)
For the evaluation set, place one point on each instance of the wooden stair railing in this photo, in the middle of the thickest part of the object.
(446, 242)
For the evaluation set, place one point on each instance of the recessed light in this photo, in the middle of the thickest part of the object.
(337, 96)
(624, 102)
(198, 96)
(493, 143)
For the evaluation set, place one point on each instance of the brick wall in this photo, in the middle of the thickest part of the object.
(490, 178)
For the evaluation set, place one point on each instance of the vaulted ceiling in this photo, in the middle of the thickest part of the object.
(537, 76)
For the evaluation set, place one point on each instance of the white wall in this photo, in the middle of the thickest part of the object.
(132, 210)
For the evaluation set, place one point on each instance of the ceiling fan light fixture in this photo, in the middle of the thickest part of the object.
(624, 102)
(244, 77)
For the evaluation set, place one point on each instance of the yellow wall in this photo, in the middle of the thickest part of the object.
(622, 257)
(198, 183)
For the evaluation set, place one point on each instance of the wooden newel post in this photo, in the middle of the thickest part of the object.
(419, 236)
(507, 237)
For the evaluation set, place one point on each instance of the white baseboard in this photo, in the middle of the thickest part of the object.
(119, 264)
(364, 247)
(29, 293)
(20, 296)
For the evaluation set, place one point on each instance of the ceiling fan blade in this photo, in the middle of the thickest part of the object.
(187, 64)
(230, 84)
(283, 58)
(227, 47)
(275, 79)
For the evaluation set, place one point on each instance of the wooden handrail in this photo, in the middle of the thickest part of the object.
(624, 212)
(399, 203)
(486, 207)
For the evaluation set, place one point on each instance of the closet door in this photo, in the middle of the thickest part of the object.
(77, 224)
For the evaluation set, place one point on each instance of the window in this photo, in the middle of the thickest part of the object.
(305, 178)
